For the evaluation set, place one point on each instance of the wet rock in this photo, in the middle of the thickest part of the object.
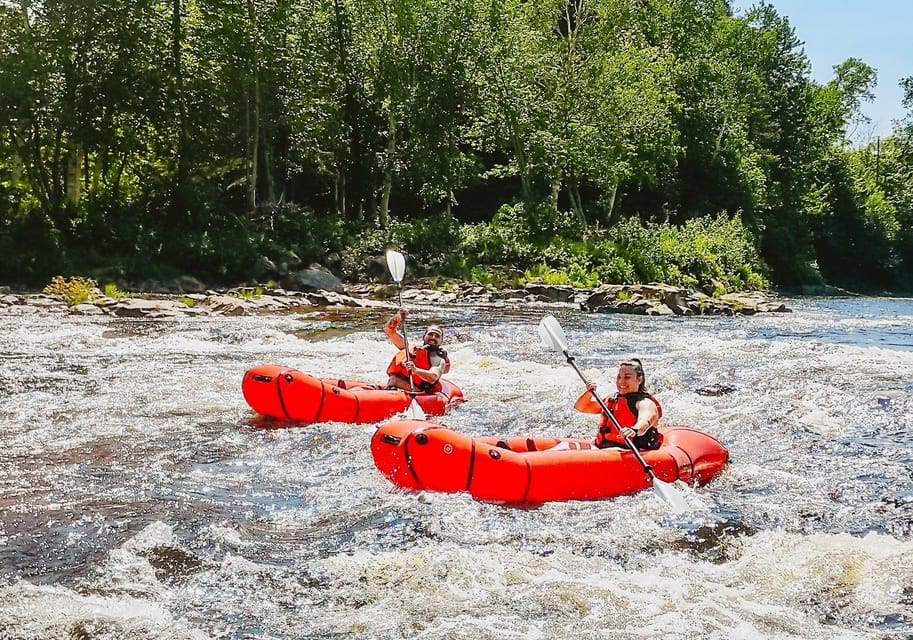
(265, 269)
(46, 301)
(551, 293)
(226, 305)
(506, 294)
(171, 563)
(662, 299)
(314, 278)
(653, 299)
(334, 299)
(377, 268)
(719, 542)
(715, 390)
(186, 284)
(87, 309)
(144, 308)
(432, 296)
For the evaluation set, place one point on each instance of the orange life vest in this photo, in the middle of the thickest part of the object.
(624, 408)
(422, 359)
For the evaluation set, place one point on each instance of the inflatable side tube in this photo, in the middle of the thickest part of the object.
(366, 405)
(437, 404)
(421, 455)
(260, 387)
(699, 456)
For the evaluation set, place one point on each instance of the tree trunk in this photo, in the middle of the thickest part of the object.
(254, 149)
(344, 144)
(515, 139)
(573, 192)
(613, 191)
(339, 192)
(177, 43)
(268, 176)
(388, 170)
(73, 174)
(719, 138)
(28, 150)
(254, 139)
(16, 176)
(98, 173)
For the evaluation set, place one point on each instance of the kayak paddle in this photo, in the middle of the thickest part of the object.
(552, 335)
(397, 265)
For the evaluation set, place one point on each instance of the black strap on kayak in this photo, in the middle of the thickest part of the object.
(288, 378)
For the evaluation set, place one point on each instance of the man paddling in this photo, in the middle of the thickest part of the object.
(420, 368)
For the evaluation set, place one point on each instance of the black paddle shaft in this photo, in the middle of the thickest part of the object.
(402, 322)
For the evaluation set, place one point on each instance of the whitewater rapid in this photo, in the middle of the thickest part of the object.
(141, 498)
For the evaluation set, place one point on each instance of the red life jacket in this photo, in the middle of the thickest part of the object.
(422, 360)
(624, 408)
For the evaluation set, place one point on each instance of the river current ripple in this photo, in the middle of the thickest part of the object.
(141, 498)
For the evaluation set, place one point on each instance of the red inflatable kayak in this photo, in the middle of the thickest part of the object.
(287, 394)
(422, 455)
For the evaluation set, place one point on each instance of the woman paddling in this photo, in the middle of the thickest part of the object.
(637, 411)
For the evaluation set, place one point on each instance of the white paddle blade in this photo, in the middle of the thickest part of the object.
(552, 335)
(397, 265)
(414, 411)
(672, 497)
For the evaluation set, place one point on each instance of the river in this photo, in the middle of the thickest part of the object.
(141, 497)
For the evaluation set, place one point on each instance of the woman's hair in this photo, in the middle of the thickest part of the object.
(638, 367)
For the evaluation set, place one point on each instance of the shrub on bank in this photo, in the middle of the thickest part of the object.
(74, 290)
(551, 248)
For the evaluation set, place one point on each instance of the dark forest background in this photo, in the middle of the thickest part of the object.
(579, 141)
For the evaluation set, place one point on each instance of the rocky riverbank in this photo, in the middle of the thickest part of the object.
(646, 299)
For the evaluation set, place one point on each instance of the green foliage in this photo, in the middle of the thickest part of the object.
(695, 254)
(517, 234)
(702, 250)
(429, 243)
(112, 291)
(495, 276)
(248, 293)
(74, 290)
(280, 231)
(575, 275)
(231, 134)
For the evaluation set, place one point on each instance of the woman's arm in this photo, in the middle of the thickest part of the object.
(647, 417)
(586, 403)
